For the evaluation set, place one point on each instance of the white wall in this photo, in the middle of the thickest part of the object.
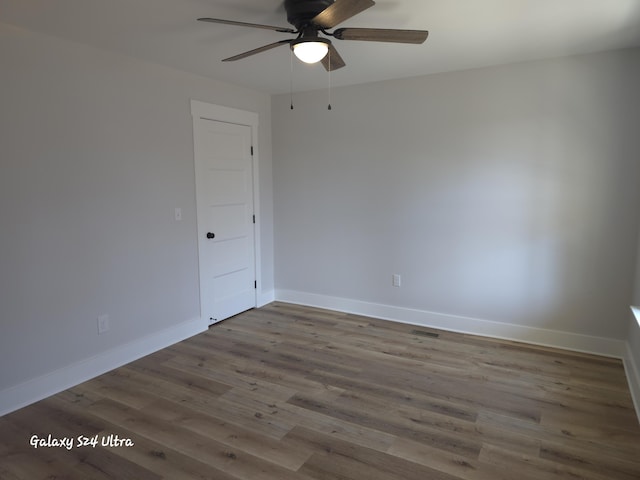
(505, 194)
(634, 327)
(96, 152)
(632, 357)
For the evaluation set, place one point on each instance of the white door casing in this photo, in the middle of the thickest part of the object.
(225, 168)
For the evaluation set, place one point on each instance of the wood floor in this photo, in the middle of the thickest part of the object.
(292, 393)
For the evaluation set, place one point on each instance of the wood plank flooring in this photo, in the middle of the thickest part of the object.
(295, 393)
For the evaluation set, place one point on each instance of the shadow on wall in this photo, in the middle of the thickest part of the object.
(537, 210)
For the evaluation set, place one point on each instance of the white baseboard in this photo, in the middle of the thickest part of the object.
(264, 298)
(538, 336)
(31, 391)
(632, 369)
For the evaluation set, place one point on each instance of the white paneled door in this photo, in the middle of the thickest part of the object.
(224, 188)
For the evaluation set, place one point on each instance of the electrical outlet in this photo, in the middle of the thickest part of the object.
(178, 214)
(396, 280)
(103, 324)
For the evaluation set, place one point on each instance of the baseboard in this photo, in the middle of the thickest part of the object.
(31, 391)
(538, 336)
(264, 298)
(632, 369)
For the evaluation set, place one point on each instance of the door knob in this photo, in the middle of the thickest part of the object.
(211, 235)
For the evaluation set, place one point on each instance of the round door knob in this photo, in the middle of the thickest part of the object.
(211, 235)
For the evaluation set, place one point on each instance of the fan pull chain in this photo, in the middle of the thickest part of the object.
(329, 71)
(291, 78)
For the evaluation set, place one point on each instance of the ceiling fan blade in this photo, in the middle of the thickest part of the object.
(257, 50)
(340, 11)
(332, 61)
(381, 35)
(245, 24)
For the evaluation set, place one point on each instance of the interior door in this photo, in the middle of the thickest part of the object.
(224, 189)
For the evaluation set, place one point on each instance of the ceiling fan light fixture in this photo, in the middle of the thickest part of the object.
(310, 51)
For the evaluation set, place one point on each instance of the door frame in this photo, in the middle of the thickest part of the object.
(208, 111)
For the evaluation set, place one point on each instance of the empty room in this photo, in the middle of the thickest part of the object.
(317, 239)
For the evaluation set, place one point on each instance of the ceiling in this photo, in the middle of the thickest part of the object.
(463, 34)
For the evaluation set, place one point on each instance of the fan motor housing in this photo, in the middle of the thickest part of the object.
(300, 12)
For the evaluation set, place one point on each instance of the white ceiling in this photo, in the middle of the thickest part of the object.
(463, 34)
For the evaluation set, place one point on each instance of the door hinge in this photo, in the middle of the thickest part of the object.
(254, 219)
(255, 284)
(252, 150)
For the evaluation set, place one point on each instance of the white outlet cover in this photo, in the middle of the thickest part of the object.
(103, 324)
(178, 214)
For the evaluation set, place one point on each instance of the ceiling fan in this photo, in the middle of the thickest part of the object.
(310, 17)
